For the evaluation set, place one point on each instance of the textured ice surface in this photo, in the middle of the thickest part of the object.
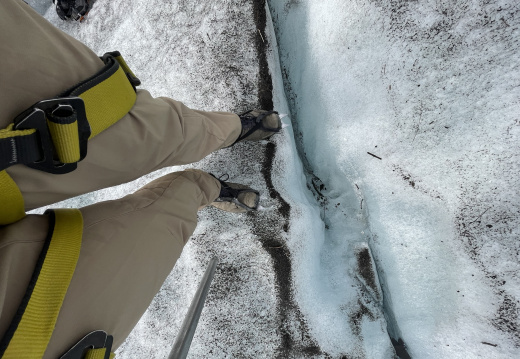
(431, 89)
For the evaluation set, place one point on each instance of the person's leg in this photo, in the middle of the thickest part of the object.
(129, 247)
(39, 61)
(156, 133)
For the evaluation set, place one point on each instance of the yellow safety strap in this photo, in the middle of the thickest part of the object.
(126, 69)
(108, 96)
(98, 354)
(11, 198)
(32, 327)
(9, 132)
(108, 102)
(65, 140)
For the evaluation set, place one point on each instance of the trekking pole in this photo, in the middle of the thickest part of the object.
(183, 341)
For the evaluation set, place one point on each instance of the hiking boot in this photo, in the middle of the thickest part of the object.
(73, 9)
(236, 198)
(259, 125)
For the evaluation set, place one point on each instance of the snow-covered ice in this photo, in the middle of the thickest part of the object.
(432, 90)
(391, 205)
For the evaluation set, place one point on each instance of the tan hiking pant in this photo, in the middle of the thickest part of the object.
(129, 245)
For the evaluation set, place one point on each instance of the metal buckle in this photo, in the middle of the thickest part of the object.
(94, 340)
(35, 117)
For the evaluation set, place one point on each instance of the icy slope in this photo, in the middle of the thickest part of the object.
(413, 107)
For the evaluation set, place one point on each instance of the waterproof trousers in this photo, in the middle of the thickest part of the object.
(129, 245)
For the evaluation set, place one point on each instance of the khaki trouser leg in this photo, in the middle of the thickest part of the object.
(129, 247)
(39, 61)
(157, 133)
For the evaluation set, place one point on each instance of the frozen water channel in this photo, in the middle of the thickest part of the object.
(391, 203)
(413, 107)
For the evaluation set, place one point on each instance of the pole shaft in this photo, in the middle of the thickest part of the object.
(183, 341)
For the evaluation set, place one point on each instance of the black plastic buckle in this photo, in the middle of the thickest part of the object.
(35, 117)
(94, 340)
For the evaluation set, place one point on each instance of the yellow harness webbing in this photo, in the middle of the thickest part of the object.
(107, 102)
(107, 97)
(32, 327)
(12, 208)
(98, 354)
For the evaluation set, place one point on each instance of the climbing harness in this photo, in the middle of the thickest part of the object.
(32, 326)
(52, 135)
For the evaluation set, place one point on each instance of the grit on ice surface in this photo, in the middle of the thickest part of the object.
(432, 89)
(429, 87)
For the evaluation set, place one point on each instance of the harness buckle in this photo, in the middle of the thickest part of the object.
(35, 117)
(98, 339)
